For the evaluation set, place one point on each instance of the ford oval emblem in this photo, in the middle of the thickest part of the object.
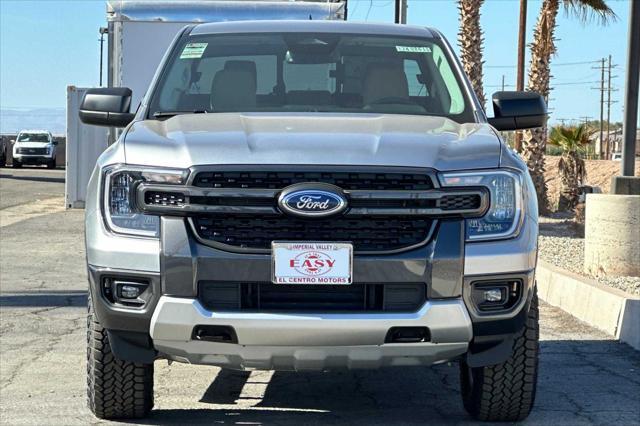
(312, 200)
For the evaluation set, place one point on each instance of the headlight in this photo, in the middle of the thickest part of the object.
(120, 210)
(502, 220)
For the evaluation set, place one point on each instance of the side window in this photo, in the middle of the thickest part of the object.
(412, 70)
(451, 84)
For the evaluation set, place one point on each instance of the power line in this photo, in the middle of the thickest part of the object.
(570, 83)
(553, 64)
(604, 147)
(369, 10)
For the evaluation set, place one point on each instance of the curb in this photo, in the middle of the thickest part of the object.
(608, 309)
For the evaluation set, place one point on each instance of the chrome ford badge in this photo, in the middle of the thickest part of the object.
(312, 200)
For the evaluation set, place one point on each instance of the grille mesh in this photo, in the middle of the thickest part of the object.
(395, 297)
(367, 233)
(32, 151)
(157, 198)
(460, 202)
(345, 180)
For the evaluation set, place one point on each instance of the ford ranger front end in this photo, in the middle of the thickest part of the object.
(312, 196)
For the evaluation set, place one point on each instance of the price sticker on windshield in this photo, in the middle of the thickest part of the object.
(193, 50)
(413, 49)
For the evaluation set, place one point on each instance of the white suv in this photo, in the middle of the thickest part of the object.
(34, 147)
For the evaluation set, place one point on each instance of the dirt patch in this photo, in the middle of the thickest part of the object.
(599, 173)
(15, 214)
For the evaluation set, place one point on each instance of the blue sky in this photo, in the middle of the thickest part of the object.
(46, 45)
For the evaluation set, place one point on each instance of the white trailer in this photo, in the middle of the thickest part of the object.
(84, 146)
(139, 32)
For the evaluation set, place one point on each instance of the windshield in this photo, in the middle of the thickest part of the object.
(302, 72)
(33, 137)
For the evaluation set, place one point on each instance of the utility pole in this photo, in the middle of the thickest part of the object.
(631, 92)
(585, 119)
(601, 88)
(602, 109)
(609, 102)
(102, 31)
(522, 33)
(401, 12)
(503, 82)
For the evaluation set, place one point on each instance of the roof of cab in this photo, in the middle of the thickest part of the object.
(232, 27)
(34, 131)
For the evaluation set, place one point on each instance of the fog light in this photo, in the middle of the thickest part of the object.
(129, 292)
(496, 295)
(493, 295)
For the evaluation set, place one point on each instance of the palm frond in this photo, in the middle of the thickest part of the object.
(588, 10)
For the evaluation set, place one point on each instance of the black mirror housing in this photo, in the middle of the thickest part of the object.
(518, 110)
(106, 106)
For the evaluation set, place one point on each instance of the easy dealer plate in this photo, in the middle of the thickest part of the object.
(311, 263)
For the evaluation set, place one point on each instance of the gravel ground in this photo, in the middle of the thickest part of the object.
(560, 245)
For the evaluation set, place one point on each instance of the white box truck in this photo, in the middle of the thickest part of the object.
(139, 33)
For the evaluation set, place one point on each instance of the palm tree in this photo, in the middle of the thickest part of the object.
(572, 141)
(542, 48)
(470, 41)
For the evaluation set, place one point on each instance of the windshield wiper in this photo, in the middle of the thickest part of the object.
(167, 114)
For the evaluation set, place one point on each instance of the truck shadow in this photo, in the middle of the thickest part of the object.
(34, 178)
(586, 382)
(47, 298)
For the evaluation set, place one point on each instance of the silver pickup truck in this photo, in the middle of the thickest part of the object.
(306, 195)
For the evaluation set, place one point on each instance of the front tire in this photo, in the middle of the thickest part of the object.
(16, 164)
(51, 164)
(506, 391)
(116, 389)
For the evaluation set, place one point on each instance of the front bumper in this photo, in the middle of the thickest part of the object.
(293, 341)
(33, 159)
(301, 341)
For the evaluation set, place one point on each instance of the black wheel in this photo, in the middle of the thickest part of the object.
(506, 391)
(115, 388)
(51, 164)
(16, 164)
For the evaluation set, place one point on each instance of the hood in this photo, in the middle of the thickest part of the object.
(312, 138)
(31, 144)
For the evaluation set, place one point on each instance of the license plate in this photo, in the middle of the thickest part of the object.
(311, 263)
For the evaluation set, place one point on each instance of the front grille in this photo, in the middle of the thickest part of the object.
(32, 151)
(388, 209)
(366, 233)
(262, 297)
(159, 198)
(460, 202)
(344, 180)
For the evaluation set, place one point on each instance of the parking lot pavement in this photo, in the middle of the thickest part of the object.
(29, 184)
(585, 378)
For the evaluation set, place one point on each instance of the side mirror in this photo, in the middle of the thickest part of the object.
(12, 141)
(106, 106)
(518, 110)
(54, 142)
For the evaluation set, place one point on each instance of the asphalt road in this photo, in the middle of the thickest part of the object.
(585, 377)
(20, 186)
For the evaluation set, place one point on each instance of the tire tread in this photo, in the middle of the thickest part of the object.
(506, 391)
(116, 389)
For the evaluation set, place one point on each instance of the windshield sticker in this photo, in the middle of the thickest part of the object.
(193, 51)
(413, 49)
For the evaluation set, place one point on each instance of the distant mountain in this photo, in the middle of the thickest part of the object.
(12, 120)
